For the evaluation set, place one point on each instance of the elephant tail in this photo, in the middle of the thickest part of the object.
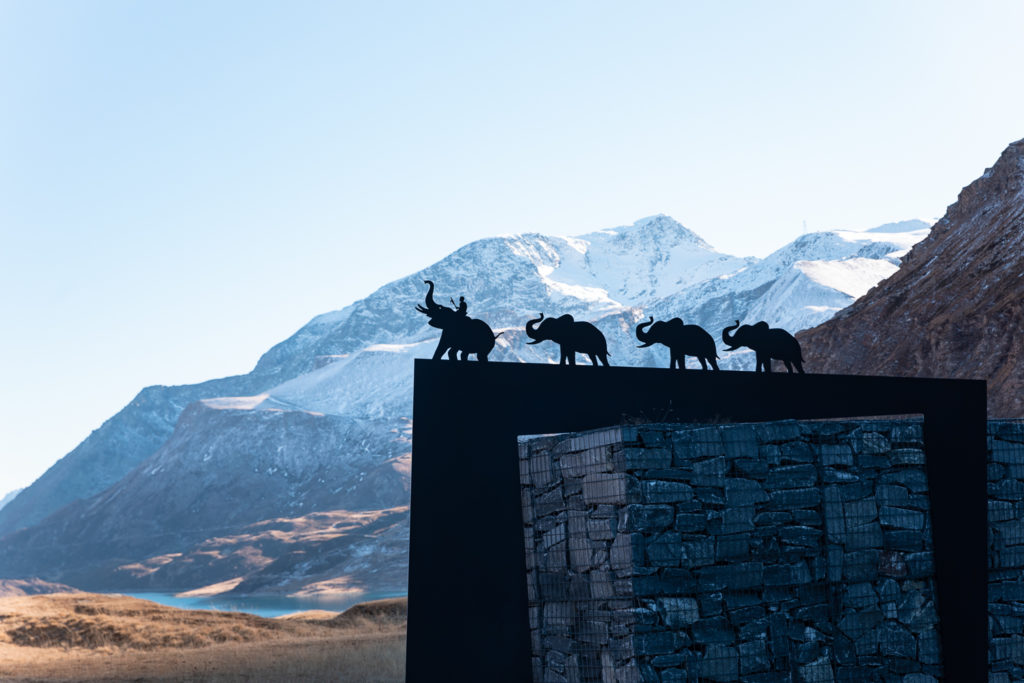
(499, 334)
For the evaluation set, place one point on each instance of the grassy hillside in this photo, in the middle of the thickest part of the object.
(91, 637)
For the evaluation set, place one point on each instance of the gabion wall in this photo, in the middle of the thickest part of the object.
(1006, 550)
(788, 551)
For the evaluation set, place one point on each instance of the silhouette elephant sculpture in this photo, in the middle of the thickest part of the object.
(768, 343)
(574, 337)
(682, 341)
(459, 332)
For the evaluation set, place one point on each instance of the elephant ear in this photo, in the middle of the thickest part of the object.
(675, 323)
(762, 326)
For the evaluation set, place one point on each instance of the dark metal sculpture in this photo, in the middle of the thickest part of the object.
(459, 332)
(574, 337)
(682, 341)
(768, 343)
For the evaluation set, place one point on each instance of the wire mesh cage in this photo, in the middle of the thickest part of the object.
(1006, 550)
(789, 551)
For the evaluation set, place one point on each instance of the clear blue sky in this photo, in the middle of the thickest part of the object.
(183, 184)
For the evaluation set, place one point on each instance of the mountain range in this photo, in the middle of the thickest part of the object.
(294, 478)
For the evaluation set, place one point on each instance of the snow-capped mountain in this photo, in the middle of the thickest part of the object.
(802, 284)
(612, 277)
(322, 422)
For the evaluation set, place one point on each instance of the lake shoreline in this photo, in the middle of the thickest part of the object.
(260, 604)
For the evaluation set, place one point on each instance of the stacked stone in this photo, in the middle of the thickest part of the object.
(579, 560)
(780, 551)
(1006, 550)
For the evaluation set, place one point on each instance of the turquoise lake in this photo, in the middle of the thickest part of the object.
(263, 605)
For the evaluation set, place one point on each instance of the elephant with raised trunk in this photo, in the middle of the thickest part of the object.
(768, 343)
(681, 340)
(459, 332)
(574, 337)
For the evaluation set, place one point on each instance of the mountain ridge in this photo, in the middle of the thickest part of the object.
(9, 496)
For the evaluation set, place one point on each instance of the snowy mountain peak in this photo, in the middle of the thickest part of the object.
(659, 229)
(876, 243)
(903, 226)
(654, 265)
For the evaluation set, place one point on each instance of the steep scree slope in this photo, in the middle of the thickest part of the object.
(955, 308)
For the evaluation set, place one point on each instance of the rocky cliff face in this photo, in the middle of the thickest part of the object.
(956, 306)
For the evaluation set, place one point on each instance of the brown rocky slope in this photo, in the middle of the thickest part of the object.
(956, 306)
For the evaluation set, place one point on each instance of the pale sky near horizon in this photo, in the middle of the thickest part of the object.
(182, 185)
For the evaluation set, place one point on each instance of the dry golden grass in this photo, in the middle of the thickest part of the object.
(309, 615)
(90, 637)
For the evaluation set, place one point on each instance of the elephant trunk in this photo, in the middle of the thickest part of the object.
(431, 305)
(642, 335)
(729, 339)
(531, 330)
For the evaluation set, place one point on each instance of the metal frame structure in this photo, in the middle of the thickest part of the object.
(468, 616)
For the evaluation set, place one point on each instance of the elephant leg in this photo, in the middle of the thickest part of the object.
(439, 351)
(572, 358)
(465, 355)
(799, 366)
(604, 359)
(453, 353)
(593, 358)
(789, 366)
(564, 360)
(482, 357)
(714, 363)
(703, 363)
